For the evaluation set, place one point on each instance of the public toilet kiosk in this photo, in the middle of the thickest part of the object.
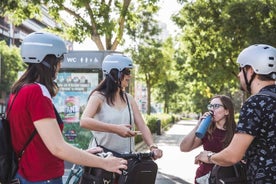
(80, 73)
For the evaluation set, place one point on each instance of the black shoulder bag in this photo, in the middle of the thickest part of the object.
(235, 174)
(8, 158)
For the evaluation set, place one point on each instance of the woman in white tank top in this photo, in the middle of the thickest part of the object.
(112, 114)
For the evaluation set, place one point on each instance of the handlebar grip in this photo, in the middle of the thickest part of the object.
(137, 155)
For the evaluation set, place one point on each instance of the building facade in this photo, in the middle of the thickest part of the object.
(14, 34)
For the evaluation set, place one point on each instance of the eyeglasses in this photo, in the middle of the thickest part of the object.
(214, 106)
(126, 71)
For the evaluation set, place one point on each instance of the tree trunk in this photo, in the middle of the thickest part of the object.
(148, 98)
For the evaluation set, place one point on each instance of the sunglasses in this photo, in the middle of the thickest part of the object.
(126, 71)
(214, 106)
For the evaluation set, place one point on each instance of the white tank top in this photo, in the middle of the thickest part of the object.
(109, 114)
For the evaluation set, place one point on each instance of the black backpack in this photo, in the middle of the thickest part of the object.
(235, 174)
(140, 170)
(8, 158)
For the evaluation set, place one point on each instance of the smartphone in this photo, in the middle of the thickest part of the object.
(138, 132)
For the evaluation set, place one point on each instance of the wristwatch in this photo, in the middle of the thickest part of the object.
(209, 155)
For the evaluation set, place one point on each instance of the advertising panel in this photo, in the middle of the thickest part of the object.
(80, 73)
(74, 89)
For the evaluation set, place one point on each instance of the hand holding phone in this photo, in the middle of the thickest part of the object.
(138, 132)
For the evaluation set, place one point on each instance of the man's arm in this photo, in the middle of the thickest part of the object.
(231, 154)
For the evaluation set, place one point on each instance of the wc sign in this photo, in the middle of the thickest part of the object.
(85, 59)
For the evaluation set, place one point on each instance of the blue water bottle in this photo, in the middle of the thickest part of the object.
(204, 125)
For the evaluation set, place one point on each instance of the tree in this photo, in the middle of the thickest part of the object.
(150, 68)
(147, 51)
(214, 32)
(102, 21)
(10, 64)
(167, 88)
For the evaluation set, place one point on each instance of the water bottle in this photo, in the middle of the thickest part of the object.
(204, 125)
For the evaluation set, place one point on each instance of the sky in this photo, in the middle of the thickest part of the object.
(168, 7)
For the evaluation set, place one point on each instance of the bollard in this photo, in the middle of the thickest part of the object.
(159, 128)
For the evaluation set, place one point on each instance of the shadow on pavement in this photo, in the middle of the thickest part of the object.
(164, 178)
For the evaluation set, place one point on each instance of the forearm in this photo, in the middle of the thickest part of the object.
(224, 158)
(190, 141)
(72, 154)
(232, 154)
(147, 136)
(96, 125)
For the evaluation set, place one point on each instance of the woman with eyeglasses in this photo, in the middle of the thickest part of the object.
(218, 135)
(112, 114)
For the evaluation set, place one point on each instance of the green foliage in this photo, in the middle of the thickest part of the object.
(213, 34)
(165, 91)
(147, 51)
(18, 10)
(11, 64)
(151, 123)
(184, 72)
(102, 21)
(166, 120)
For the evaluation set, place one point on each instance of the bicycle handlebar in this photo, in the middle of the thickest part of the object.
(138, 155)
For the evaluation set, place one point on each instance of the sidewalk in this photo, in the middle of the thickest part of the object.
(175, 167)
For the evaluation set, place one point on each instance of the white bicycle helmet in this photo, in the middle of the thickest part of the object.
(261, 57)
(116, 61)
(37, 45)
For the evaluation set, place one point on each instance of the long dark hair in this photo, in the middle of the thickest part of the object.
(230, 124)
(109, 86)
(39, 72)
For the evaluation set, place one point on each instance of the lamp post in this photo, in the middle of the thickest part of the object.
(0, 68)
(1, 106)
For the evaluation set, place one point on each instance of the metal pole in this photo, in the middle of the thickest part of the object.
(0, 68)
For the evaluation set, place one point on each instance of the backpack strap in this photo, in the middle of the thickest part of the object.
(26, 144)
(10, 106)
(31, 136)
(59, 120)
(267, 93)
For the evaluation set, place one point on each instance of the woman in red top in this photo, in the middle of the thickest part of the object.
(32, 109)
(218, 135)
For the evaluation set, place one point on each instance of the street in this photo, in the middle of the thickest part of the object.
(176, 167)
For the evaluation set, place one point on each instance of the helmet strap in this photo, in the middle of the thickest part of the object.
(46, 64)
(119, 75)
(248, 83)
(112, 78)
(117, 82)
(51, 68)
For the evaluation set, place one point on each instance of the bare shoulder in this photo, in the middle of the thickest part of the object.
(129, 96)
(98, 96)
